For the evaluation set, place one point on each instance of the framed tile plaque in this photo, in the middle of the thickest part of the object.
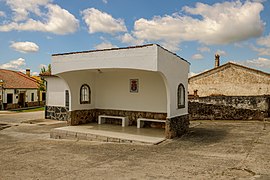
(134, 85)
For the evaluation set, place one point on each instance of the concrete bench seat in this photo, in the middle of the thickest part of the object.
(141, 120)
(101, 119)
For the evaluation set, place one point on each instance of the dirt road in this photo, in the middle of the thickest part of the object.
(212, 150)
(9, 117)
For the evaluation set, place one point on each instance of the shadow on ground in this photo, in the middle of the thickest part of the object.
(205, 135)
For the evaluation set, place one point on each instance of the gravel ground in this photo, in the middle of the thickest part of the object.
(211, 150)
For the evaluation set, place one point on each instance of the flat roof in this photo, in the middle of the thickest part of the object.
(118, 48)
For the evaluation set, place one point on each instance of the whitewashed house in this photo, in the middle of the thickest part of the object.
(145, 81)
(18, 90)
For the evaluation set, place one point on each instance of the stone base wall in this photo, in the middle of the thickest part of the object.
(11, 106)
(32, 104)
(86, 116)
(56, 113)
(203, 111)
(27, 104)
(82, 117)
(176, 126)
(132, 115)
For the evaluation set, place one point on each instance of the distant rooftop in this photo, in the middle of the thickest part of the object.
(15, 79)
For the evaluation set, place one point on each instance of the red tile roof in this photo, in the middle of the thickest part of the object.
(14, 79)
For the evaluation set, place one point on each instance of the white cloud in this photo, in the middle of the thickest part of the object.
(220, 23)
(221, 52)
(2, 14)
(197, 56)
(105, 1)
(129, 39)
(264, 41)
(22, 8)
(24, 47)
(261, 50)
(98, 21)
(105, 45)
(56, 20)
(203, 49)
(35, 74)
(259, 62)
(14, 64)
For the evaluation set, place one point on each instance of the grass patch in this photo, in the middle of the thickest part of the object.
(30, 109)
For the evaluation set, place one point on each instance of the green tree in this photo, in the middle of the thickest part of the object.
(42, 71)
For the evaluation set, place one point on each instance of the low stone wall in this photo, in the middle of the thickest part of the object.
(176, 126)
(56, 113)
(261, 103)
(230, 108)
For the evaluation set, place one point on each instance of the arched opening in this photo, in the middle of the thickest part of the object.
(181, 96)
(85, 94)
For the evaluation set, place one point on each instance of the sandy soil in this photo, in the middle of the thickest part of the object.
(212, 150)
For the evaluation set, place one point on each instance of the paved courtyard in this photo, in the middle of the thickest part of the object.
(212, 150)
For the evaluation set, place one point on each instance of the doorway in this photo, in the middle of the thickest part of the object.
(9, 98)
(21, 100)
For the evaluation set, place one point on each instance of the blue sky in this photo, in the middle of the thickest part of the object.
(32, 30)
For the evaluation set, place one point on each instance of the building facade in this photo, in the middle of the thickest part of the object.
(230, 79)
(139, 82)
(17, 90)
(230, 92)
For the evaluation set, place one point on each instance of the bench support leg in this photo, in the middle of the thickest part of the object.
(125, 122)
(101, 120)
(140, 124)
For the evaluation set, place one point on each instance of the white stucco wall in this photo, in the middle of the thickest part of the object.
(75, 80)
(175, 71)
(28, 95)
(135, 58)
(55, 95)
(110, 89)
(113, 91)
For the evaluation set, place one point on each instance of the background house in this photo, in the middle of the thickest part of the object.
(18, 90)
(233, 90)
(230, 79)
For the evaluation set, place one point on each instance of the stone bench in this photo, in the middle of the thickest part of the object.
(141, 120)
(101, 119)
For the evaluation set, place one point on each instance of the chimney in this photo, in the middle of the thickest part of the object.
(27, 72)
(217, 60)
